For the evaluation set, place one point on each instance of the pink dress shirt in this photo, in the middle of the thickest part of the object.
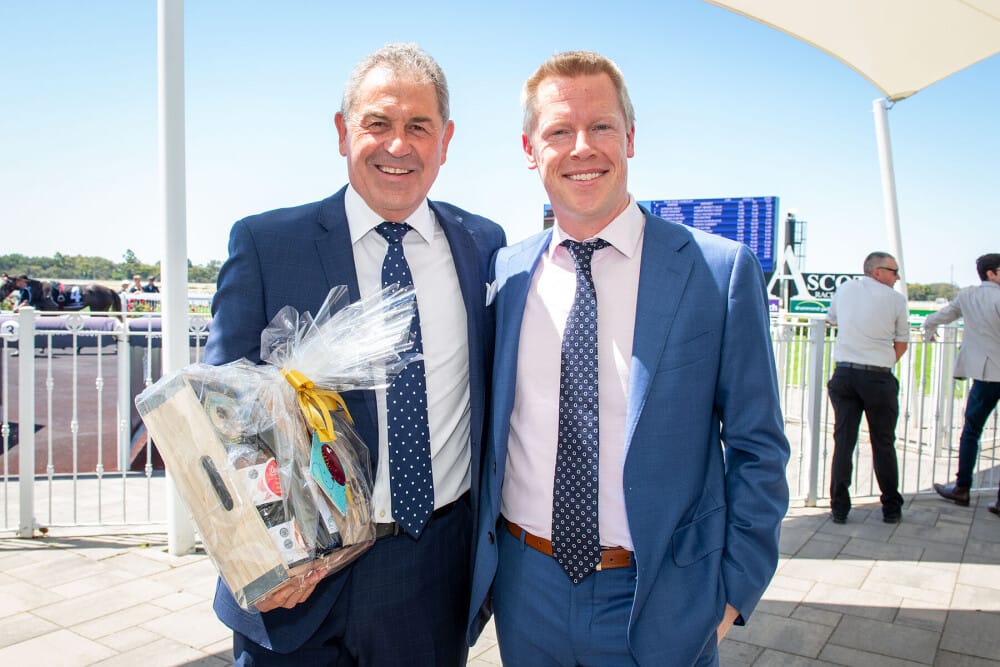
(531, 449)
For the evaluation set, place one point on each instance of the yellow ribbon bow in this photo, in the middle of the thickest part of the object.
(317, 404)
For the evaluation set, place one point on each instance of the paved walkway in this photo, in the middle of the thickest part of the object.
(924, 592)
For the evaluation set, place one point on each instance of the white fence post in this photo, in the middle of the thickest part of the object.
(26, 420)
(817, 333)
(124, 396)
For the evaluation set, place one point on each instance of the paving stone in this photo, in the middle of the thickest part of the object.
(910, 580)
(979, 551)
(136, 563)
(196, 627)
(782, 634)
(55, 649)
(733, 653)
(980, 575)
(772, 658)
(850, 657)
(949, 659)
(923, 614)
(21, 596)
(879, 550)
(819, 549)
(101, 580)
(976, 597)
(20, 627)
(840, 572)
(159, 652)
(128, 638)
(886, 639)
(943, 532)
(853, 602)
(793, 537)
(975, 633)
(813, 615)
(117, 621)
(791, 583)
(100, 603)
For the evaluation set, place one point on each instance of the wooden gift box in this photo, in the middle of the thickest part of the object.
(231, 526)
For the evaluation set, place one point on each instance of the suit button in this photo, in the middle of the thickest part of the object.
(494, 466)
(489, 536)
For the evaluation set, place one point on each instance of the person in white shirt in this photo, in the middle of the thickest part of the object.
(872, 334)
(979, 359)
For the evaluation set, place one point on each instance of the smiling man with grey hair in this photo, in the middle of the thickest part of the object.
(403, 601)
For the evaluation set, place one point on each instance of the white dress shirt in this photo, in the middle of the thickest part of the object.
(870, 317)
(534, 422)
(444, 330)
(979, 306)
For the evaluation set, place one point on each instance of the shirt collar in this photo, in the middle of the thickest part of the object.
(361, 219)
(623, 233)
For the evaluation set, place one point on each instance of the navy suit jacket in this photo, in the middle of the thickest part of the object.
(294, 256)
(704, 518)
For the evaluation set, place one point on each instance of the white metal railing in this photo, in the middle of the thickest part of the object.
(931, 416)
(77, 375)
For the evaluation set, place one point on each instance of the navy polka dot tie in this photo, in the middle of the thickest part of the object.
(576, 542)
(410, 480)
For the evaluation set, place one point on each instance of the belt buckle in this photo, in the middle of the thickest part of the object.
(600, 565)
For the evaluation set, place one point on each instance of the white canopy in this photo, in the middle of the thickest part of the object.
(901, 46)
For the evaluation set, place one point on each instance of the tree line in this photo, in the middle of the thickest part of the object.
(87, 268)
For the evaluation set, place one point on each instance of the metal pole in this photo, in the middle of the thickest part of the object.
(26, 420)
(889, 208)
(817, 333)
(170, 21)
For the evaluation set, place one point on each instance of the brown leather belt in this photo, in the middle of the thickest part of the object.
(611, 557)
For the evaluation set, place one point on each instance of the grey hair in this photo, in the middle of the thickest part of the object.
(403, 60)
(572, 64)
(874, 260)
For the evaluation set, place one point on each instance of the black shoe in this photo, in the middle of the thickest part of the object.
(892, 518)
(960, 494)
(839, 518)
(995, 508)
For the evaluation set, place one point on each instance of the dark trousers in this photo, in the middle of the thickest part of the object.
(405, 604)
(982, 400)
(876, 394)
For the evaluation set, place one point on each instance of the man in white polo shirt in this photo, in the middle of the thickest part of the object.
(872, 334)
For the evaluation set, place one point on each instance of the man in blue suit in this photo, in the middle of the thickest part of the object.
(634, 479)
(404, 601)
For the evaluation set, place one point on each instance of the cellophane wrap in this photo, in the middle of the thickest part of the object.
(284, 451)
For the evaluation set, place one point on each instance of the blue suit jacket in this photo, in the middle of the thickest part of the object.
(294, 256)
(704, 519)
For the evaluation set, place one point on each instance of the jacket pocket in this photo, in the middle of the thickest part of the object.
(693, 541)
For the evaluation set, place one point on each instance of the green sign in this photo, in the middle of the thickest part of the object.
(808, 305)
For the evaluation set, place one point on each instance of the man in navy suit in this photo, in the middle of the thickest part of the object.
(404, 601)
(634, 479)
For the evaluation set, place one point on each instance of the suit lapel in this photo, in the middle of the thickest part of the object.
(663, 275)
(336, 256)
(513, 273)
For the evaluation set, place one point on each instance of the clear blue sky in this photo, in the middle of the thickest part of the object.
(725, 108)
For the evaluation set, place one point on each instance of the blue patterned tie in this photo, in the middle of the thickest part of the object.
(410, 480)
(576, 542)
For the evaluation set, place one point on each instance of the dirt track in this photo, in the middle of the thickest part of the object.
(95, 413)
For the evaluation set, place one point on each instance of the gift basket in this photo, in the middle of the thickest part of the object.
(265, 456)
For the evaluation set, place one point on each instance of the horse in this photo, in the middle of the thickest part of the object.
(66, 297)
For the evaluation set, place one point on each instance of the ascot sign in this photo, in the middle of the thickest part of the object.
(823, 285)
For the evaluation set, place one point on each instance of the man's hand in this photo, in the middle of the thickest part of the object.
(727, 622)
(294, 591)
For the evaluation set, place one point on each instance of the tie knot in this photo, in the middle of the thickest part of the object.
(393, 232)
(583, 252)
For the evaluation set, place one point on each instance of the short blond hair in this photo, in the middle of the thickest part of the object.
(572, 64)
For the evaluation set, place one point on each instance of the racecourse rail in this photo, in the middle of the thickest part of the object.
(83, 475)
